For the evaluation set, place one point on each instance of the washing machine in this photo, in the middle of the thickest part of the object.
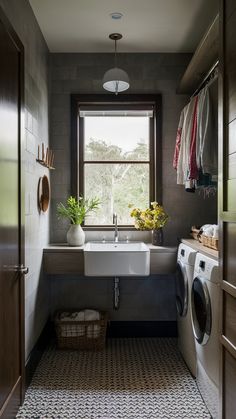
(184, 278)
(205, 298)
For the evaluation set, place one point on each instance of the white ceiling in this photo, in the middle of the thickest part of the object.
(147, 25)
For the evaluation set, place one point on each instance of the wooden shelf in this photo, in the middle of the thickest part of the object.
(204, 58)
(200, 248)
(43, 163)
(47, 157)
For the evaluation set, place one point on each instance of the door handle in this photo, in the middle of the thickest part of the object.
(16, 268)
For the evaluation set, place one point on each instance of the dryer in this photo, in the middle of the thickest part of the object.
(184, 278)
(205, 297)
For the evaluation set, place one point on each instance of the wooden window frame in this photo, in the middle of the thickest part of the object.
(77, 135)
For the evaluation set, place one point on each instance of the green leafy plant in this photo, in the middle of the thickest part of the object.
(150, 218)
(77, 209)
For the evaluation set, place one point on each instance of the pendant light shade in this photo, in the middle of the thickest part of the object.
(115, 80)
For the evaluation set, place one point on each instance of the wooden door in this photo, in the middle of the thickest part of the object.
(11, 234)
(227, 203)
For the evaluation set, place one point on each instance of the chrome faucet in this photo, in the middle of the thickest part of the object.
(116, 227)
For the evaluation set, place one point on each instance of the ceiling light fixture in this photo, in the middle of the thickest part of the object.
(115, 80)
(116, 15)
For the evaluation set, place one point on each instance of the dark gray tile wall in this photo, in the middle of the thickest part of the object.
(142, 299)
(23, 20)
(149, 73)
(148, 299)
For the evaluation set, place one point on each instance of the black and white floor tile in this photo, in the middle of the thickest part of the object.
(130, 379)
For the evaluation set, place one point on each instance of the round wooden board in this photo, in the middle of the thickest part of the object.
(43, 193)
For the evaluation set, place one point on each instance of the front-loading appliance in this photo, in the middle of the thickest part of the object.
(205, 297)
(184, 278)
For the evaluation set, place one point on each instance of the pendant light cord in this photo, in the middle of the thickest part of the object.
(115, 53)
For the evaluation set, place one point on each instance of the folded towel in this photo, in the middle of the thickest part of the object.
(209, 231)
(75, 316)
(91, 315)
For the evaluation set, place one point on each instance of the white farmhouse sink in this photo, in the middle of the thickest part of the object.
(116, 259)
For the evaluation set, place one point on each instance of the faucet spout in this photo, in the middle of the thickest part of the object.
(116, 238)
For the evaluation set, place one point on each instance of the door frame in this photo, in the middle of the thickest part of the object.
(8, 406)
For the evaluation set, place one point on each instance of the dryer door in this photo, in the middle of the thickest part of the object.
(201, 310)
(181, 286)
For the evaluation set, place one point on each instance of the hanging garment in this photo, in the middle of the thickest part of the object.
(206, 137)
(193, 168)
(178, 140)
(183, 161)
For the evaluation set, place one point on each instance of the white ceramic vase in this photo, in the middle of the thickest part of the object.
(75, 235)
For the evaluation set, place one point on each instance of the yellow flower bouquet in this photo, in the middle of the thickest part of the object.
(152, 218)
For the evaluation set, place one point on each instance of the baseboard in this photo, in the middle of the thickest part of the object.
(37, 352)
(130, 329)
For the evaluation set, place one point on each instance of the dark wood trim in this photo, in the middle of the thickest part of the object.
(131, 329)
(158, 149)
(205, 55)
(74, 147)
(77, 127)
(9, 409)
(44, 339)
(221, 110)
(227, 216)
(11, 31)
(20, 387)
(116, 162)
(228, 345)
(22, 216)
(229, 288)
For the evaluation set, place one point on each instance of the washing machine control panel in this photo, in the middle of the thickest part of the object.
(207, 267)
(186, 254)
(202, 264)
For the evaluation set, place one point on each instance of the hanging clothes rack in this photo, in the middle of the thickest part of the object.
(211, 75)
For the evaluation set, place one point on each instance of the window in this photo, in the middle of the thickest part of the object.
(115, 148)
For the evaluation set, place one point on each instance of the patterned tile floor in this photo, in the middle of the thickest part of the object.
(129, 379)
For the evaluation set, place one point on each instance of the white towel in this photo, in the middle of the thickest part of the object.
(216, 231)
(93, 331)
(91, 315)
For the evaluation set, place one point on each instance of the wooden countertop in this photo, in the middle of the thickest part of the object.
(64, 247)
(202, 249)
(64, 259)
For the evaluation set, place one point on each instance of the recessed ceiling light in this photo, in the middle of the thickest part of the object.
(116, 15)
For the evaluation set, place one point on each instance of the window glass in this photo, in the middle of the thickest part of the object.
(117, 186)
(116, 159)
(116, 138)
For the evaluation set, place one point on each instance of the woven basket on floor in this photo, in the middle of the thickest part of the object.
(83, 335)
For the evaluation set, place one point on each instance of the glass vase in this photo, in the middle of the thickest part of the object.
(157, 237)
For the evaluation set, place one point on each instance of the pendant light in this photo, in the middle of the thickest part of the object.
(115, 80)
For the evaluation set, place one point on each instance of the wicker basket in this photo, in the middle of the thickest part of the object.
(83, 335)
(195, 233)
(210, 242)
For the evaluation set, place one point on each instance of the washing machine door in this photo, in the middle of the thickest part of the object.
(181, 287)
(201, 310)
